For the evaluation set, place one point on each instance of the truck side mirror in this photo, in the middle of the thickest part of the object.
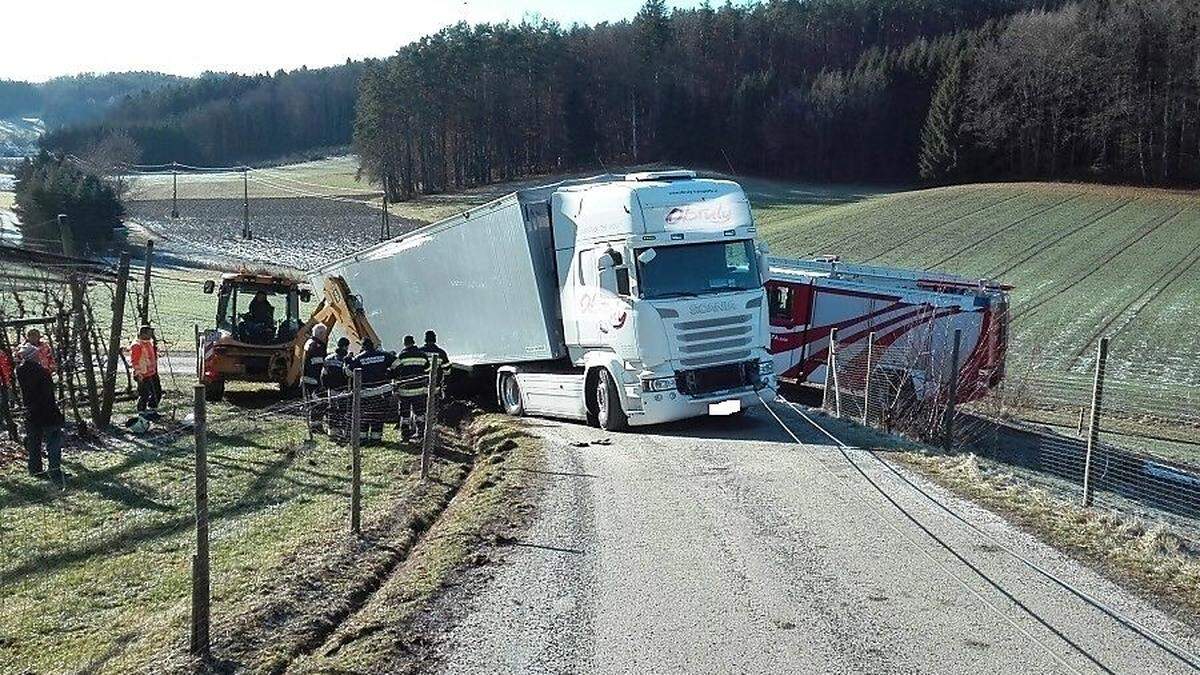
(764, 266)
(209, 287)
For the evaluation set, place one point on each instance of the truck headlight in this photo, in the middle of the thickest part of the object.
(658, 384)
(766, 367)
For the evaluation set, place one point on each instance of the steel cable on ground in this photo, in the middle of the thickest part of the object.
(1177, 651)
(945, 568)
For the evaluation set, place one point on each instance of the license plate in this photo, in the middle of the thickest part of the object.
(725, 407)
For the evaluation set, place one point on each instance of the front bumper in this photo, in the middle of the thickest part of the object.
(671, 406)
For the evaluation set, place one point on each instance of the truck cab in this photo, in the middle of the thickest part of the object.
(662, 297)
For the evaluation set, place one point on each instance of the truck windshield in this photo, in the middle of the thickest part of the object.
(697, 269)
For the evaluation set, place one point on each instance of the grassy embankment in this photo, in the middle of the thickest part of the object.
(96, 576)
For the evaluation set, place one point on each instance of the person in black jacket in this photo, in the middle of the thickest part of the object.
(336, 387)
(412, 371)
(431, 348)
(43, 418)
(376, 366)
(315, 350)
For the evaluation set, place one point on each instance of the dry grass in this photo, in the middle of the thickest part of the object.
(1156, 559)
(391, 633)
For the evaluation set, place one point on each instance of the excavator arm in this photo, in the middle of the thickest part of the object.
(338, 307)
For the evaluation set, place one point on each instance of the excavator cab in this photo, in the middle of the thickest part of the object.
(257, 324)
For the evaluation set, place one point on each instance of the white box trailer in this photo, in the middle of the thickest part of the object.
(632, 299)
(484, 280)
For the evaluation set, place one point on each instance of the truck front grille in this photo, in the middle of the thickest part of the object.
(704, 381)
(711, 341)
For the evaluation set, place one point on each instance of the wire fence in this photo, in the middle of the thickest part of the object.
(183, 523)
(1132, 445)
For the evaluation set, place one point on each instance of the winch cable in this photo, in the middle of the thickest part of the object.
(946, 568)
(1175, 650)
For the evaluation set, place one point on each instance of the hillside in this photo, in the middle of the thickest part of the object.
(1086, 260)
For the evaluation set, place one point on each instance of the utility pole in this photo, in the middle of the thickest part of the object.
(245, 202)
(386, 226)
(114, 342)
(174, 190)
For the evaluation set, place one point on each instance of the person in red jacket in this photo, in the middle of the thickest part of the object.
(143, 358)
(6, 383)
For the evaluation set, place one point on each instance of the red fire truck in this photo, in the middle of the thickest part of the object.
(913, 315)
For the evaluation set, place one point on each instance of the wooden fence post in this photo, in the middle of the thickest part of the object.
(114, 342)
(952, 394)
(1094, 421)
(431, 403)
(84, 344)
(866, 420)
(355, 453)
(833, 365)
(144, 310)
(201, 584)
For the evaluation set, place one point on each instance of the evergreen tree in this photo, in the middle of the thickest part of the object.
(941, 137)
(49, 185)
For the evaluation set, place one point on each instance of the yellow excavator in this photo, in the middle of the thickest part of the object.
(248, 343)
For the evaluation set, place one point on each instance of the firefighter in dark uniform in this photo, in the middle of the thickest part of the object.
(376, 366)
(336, 387)
(412, 371)
(431, 348)
(315, 350)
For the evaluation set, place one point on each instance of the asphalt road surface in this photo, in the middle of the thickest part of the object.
(724, 545)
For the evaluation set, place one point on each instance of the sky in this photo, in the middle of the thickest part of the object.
(45, 38)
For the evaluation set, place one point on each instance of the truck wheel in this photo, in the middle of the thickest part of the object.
(510, 395)
(608, 403)
(214, 391)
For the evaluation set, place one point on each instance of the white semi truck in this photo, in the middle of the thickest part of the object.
(620, 300)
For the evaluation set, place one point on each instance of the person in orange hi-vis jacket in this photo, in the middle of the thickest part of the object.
(143, 357)
(45, 355)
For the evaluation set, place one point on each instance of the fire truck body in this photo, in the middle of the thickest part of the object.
(913, 315)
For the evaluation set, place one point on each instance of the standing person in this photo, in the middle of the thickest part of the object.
(6, 383)
(430, 348)
(315, 350)
(335, 383)
(376, 366)
(43, 419)
(45, 355)
(412, 369)
(143, 357)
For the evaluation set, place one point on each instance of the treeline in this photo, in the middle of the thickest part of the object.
(825, 89)
(843, 90)
(76, 98)
(220, 119)
(894, 91)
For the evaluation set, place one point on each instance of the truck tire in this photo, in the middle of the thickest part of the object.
(509, 393)
(214, 391)
(609, 414)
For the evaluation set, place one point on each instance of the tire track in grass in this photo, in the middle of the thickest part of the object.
(938, 209)
(1001, 231)
(1177, 270)
(1109, 256)
(945, 224)
(1032, 251)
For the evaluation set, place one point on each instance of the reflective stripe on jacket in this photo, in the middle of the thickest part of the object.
(412, 369)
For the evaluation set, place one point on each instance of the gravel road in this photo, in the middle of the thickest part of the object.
(723, 545)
